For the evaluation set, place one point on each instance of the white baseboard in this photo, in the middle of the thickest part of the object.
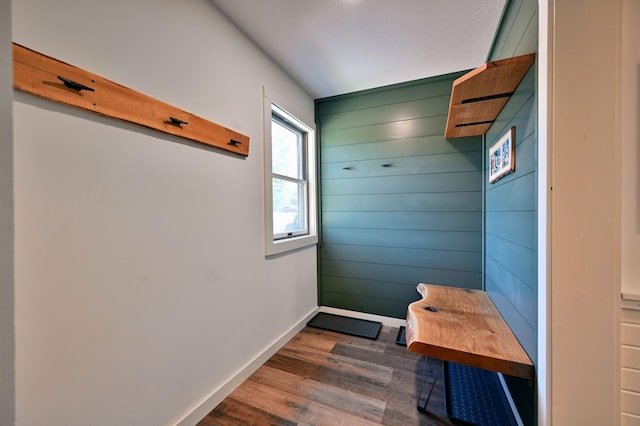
(388, 321)
(210, 402)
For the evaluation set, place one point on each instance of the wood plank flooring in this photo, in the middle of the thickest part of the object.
(326, 378)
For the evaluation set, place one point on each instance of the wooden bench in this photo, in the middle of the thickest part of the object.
(464, 326)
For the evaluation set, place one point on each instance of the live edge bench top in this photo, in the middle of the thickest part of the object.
(464, 326)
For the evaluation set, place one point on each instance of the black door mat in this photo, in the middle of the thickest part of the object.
(401, 338)
(475, 396)
(346, 325)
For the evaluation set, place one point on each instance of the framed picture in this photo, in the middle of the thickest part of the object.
(502, 156)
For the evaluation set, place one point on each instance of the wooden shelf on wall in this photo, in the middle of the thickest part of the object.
(478, 96)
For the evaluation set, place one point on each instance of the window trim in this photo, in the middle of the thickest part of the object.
(284, 119)
(277, 246)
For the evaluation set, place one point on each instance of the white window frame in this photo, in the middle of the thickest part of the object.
(274, 246)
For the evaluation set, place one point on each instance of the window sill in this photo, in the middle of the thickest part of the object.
(290, 244)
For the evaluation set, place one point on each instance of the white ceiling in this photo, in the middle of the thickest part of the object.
(333, 47)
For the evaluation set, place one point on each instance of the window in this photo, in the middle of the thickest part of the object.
(290, 190)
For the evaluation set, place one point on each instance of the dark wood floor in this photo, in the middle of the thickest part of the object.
(326, 378)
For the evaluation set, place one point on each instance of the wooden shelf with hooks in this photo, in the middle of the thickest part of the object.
(478, 96)
(60, 82)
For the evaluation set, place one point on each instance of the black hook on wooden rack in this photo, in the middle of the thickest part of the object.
(177, 121)
(234, 143)
(74, 85)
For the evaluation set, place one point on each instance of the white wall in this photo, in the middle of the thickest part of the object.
(141, 283)
(584, 148)
(631, 148)
(7, 370)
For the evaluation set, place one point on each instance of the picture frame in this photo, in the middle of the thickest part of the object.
(502, 156)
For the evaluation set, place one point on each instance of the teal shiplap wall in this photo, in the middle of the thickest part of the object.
(400, 204)
(511, 204)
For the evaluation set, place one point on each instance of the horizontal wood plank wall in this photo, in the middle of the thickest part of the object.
(511, 203)
(400, 204)
(630, 367)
